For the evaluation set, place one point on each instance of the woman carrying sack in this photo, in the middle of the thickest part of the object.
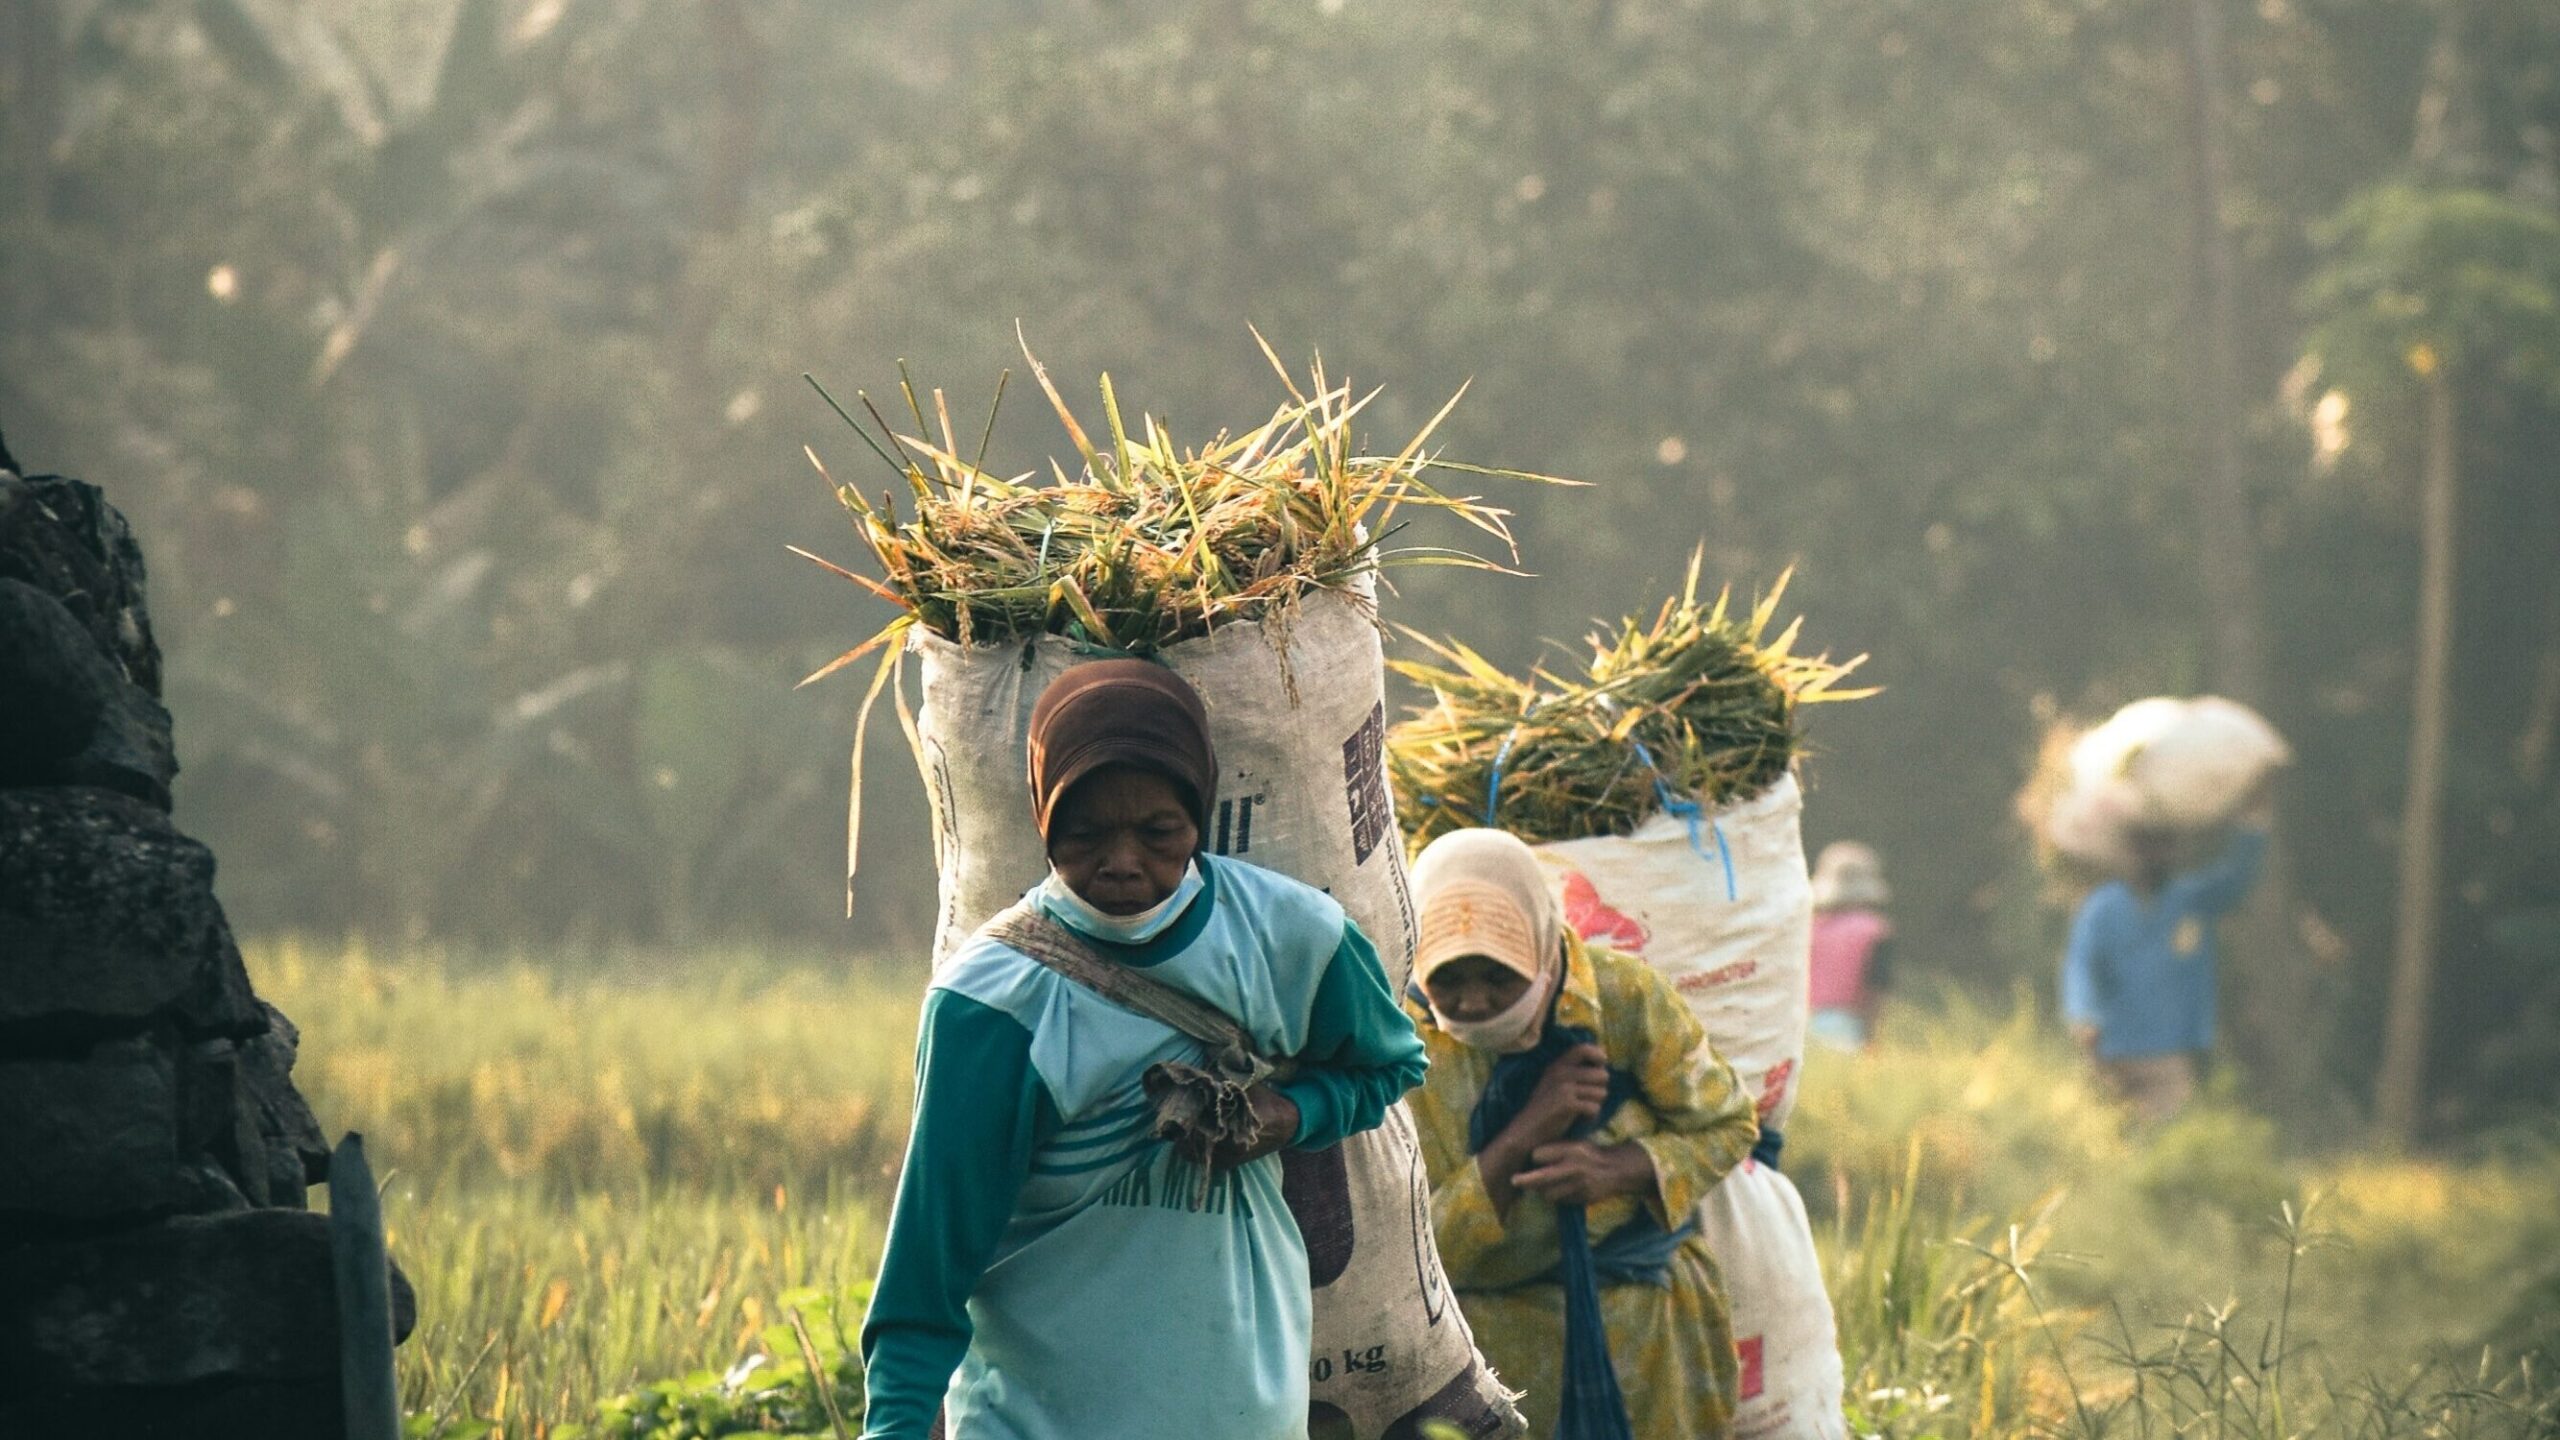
(1574, 1115)
(1089, 1237)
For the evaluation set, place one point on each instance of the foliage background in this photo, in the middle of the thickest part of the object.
(446, 354)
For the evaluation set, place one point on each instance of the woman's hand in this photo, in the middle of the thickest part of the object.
(1276, 1123)
(1577, 1172)
(1573, 1089)
(1188, 1091)
(1276, 1120)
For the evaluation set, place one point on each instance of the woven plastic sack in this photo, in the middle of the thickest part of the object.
(2179, 764)
(1725, 910)
(1754, 1224)
(2092, 825)
(1297, 710)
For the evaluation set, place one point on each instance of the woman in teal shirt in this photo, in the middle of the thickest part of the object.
(1054, 1271)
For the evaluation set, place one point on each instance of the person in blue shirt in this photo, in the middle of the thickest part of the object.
(1053, 1271)
(2139, 978)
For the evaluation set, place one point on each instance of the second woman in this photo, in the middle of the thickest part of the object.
(1573, 1116)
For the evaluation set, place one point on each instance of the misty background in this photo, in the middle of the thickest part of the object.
(446, 355)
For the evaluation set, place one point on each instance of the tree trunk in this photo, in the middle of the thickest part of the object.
(2400, 1090)
(2277, 1029)
(2227, 540)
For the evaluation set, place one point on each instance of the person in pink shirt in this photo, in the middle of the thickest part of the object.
(1851, 939)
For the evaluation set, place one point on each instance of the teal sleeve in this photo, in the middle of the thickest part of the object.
(1361, 1053)
(981, 1110)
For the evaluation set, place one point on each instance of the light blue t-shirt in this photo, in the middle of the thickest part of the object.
(2141, 968)
(1053, 1272)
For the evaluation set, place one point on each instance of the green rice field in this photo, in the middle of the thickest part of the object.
(617, 1180)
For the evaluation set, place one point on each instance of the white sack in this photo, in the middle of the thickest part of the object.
(2093, 825)
(2188, 764)
(2100, 757)
(1738, 946)
(1740, 952)
(1754, 1224)
(1297, 712)
(2196, 774)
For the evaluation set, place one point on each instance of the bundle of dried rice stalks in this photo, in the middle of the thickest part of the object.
(1698, 705)
(1148, 543)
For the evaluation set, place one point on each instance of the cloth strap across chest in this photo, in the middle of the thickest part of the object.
(1208, 1106)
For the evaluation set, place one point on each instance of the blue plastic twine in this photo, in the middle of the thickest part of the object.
(1493, 785)
(1690, 813)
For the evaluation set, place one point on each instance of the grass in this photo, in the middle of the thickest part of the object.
(535, 1311)
(2007, 1259)
(605, 1174)
(1149, 542)
(726, 1072)
(1697, 705)
(605, 1171)
(2416, 1255)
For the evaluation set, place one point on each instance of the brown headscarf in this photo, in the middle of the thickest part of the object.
(1121, 712)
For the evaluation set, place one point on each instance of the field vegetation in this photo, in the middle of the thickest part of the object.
(618, 1181)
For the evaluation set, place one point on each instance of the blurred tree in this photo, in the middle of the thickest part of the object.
(2436, 291)
(447, 353)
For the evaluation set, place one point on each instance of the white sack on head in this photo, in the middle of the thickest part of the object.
(1297, 711)
(2101, 756)
(2160, 763)
(2195, 774)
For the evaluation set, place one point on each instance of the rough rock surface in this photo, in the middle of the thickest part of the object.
(56, 674)
(158, 1273)
(89, 1139)
(239, 1296)
(63, 538)
(79, 720)
(109, 921)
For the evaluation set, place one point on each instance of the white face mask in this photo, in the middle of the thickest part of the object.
(1068, 906)
(1515, 1029)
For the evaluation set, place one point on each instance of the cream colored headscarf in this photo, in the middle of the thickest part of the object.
(1483, 892)
(1849, 874)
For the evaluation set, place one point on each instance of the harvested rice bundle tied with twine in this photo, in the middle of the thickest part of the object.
(1148, 543)
(1696, 707)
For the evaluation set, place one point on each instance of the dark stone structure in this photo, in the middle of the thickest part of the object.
(159, 1274)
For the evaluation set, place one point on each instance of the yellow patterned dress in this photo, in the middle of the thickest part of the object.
(1673, 1347)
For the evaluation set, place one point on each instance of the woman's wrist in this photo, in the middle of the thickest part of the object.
(1636, 1174)
(1499, 1160)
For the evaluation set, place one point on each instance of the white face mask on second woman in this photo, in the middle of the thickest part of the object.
(1515, 1029)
